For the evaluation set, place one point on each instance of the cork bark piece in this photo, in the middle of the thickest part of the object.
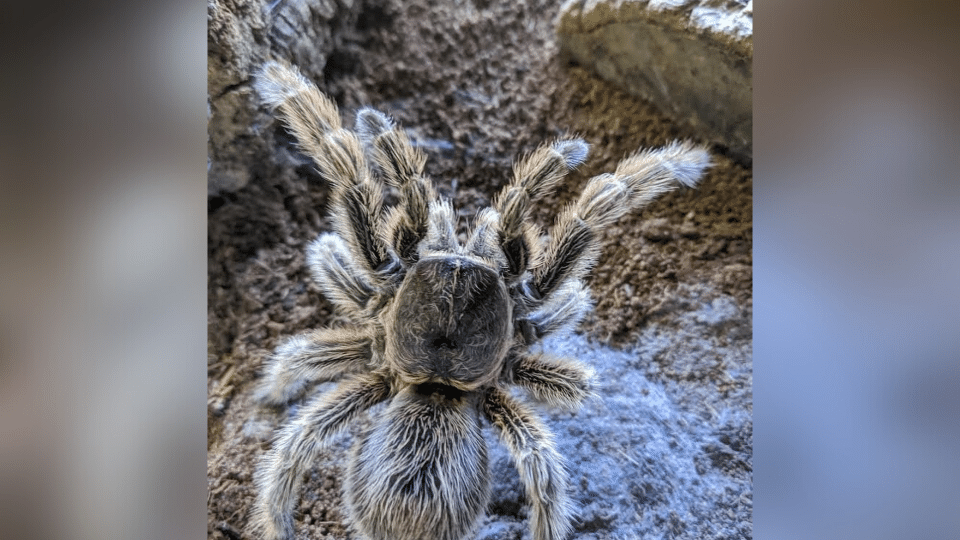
(691, 59)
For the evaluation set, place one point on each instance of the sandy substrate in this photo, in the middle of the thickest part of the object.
(665, 450)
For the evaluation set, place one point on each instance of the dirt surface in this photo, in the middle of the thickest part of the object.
(666, 449)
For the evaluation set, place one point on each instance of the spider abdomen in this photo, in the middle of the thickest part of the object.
(420, 471)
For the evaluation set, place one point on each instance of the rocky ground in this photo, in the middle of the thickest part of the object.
(665, 450)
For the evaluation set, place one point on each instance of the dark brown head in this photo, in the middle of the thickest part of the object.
(450, 323)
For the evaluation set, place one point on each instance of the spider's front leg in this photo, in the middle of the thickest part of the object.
(357, 202)
(402, 165)
(541, 468)
(638, 180)
(561, 311)
(280, 474)
(533, 176)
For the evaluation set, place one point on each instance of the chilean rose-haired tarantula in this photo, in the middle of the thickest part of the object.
(442, 329)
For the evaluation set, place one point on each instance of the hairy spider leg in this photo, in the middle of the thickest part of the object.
(357, 202)
(305, 359)
(560, 382)
(637, 181)
(542, 469)
(402, 165)
(279, 476)
(331, 266)
(533, 176)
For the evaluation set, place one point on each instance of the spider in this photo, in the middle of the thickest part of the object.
(443, 329)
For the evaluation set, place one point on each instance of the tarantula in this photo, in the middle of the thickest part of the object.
(443, 329)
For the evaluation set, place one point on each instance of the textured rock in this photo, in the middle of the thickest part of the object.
(240, 36)
(692, 59)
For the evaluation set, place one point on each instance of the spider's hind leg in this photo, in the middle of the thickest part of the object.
(280, 474)
(541, 467)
